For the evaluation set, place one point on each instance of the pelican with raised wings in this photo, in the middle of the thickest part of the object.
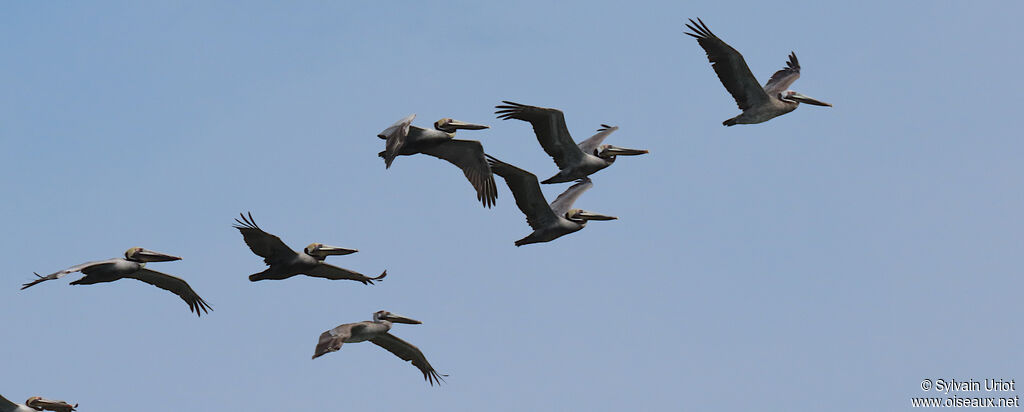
(132, 266)
(285, 262)
(574, 161)
(549, 222)
(35, 404)
(404, 139)
(376, 331)
(758, 104)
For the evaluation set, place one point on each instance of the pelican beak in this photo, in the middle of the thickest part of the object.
(585, 215)
(40, 404)
(455, 124)
(805, 99)
(146, 255)
(334, 250)
(401, 319)
(621, 151)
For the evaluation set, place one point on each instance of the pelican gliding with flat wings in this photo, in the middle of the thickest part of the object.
(285, 263)
(133, 266)
(35, 404)
(575, 161)
(403, 139)
(758, 104)
(549, 222)
(376, 331)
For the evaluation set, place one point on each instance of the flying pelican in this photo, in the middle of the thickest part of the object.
(575, 161)
(758, 104)
(548, 222)
(285, 263)
(35, 404)
(376, 331)
(132, 266)
(403, 139)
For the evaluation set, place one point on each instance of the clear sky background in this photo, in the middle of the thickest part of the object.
(829, 259)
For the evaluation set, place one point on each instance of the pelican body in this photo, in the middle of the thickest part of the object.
(549, 222)
(35, 404)
(376, 331)
(133, 266)
(285, 263)
(574, 161)
(759, 104)
(403, 139)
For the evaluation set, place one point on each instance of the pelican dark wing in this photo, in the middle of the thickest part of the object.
(526, 189)
(264, 244)
(591, 144)
(408, 352)
(468, 155)
(332, 272)
(174, 285)
(549, 126)
(332, 339)
(7, 406)
(395, 138)
(728, 63)
(565, 200)
(782, 79)
(98, 265)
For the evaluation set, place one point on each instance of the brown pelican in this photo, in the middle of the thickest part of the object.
(132, 266)
(403, 139)
(35, 404)
(376, 331)
(285, 263)
(548, 222)
(758, 104)
(576, 161)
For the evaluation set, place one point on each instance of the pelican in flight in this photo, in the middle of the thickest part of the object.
(376, 331)
(403, 139)
(575, 161)
(132, 266)
(285, 263)
(758, 104)
(35, 404)
(549, 222)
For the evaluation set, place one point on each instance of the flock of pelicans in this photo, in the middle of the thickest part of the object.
(575, 161)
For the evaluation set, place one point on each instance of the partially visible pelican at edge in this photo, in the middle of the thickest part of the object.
(574, 161)
(285, 263)
(403, 139)
(376, 331)
(132, 266)
(35, 404)
(549, 222)
(758, 104)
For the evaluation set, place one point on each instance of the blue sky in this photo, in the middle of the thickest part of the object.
(831, 258)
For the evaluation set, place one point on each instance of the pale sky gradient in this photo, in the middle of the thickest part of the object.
(829, 259)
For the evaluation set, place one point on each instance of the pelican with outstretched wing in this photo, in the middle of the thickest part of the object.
(132, 266)
(574, 161)
(759, 104)
(404, 139)
(549, 222)
(376, 331)
(285, 262)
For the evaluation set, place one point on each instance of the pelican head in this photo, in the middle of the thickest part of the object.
(383, 315)
(794, 97)
(41, 404)
(608, 152)
(448, 125)
(582, 216)
(138, 254)
(321, 251)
